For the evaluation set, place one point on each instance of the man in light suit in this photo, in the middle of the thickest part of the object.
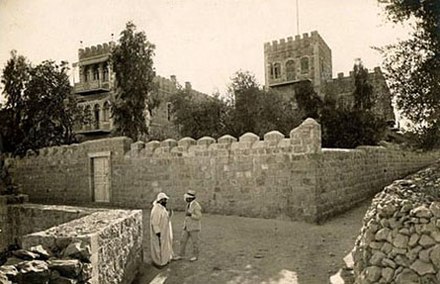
(191, 225)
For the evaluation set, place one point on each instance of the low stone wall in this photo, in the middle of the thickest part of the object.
(277, 177)
(7, 234)
(113, 236)
(400, 237)
(346, 177)
(29, 218)
(87, 245)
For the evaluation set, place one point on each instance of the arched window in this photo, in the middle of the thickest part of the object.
(87, 116)
(86, 73)
(96, 110)
(290, 70)
(270, 66)
(95, 73)
(106, 112)
(276, 70)
(304, 65)
(169, 110)
(105, 72)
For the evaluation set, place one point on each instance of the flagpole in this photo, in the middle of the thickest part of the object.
(297, 18)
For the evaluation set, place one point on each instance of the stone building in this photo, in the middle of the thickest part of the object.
(309, 58)
(293, 60)
(94, 90)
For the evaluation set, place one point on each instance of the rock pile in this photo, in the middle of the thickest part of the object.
(400, 238)
(39, 265)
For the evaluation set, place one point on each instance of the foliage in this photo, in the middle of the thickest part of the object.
(132, 60)
(39, 109)
(356, 124)
(413, 66)
(244, 93)
(348, 128)
(198, 117)
(308, 101)
(364, 97)
(259, 111)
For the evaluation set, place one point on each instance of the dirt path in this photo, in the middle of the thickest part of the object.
(248, 250)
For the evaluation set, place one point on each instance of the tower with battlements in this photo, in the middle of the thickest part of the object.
(291, 60)
(308, 58)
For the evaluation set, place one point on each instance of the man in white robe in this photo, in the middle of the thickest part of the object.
(161, 232)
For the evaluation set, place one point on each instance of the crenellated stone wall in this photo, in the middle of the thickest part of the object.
(277, 177)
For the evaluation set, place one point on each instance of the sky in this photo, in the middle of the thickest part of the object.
(201, 41)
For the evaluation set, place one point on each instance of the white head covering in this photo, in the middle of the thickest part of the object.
(190, 194)
(161, 195)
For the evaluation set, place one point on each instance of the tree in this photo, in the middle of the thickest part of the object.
(355, 124)
(198, 117)
(308, 101)
(259, 111)
(15, 76)
(39, 109)
(364, 97)
(132, 60)
(50, 107)
(413, 66)
(244, 92)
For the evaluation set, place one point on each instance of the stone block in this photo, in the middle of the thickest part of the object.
(152, 146)
(227, 139)
(137, 146)
(249, 137)
(205, 141)
(186, 142)
(168, 143)
(273, 138)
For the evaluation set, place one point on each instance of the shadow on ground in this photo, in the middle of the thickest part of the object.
(249, 250)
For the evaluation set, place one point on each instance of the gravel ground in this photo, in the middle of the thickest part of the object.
(250, 250)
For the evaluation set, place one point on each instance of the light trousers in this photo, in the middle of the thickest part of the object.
(194, 236)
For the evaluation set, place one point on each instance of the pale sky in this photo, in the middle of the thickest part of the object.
(201, 41)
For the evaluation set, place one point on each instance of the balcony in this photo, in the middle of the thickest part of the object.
(96, 86)
(103, 127)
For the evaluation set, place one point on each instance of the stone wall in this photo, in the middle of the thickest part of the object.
(276, 177)
(5, 232)
(400, 237)
(28, 218)
(113, 236)
(71, 244)
(346, 177)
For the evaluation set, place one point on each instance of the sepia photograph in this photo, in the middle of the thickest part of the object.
(220, 141)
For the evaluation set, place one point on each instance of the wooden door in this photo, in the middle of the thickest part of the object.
(101, 180)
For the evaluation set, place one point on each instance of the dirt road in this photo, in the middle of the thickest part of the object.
(248, 250)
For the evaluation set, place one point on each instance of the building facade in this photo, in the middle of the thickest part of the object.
(293, 60)
(309, 58)
(94, 91)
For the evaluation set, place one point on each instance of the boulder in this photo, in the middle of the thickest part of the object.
(70, 268)
(25, 254)
(426, 241)
(407, 276)
(42, 252)
(13, 261)
(422, 268)
(4, 279)
(34, 271)
(10, 271)
(78, 250)
(373, 273)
